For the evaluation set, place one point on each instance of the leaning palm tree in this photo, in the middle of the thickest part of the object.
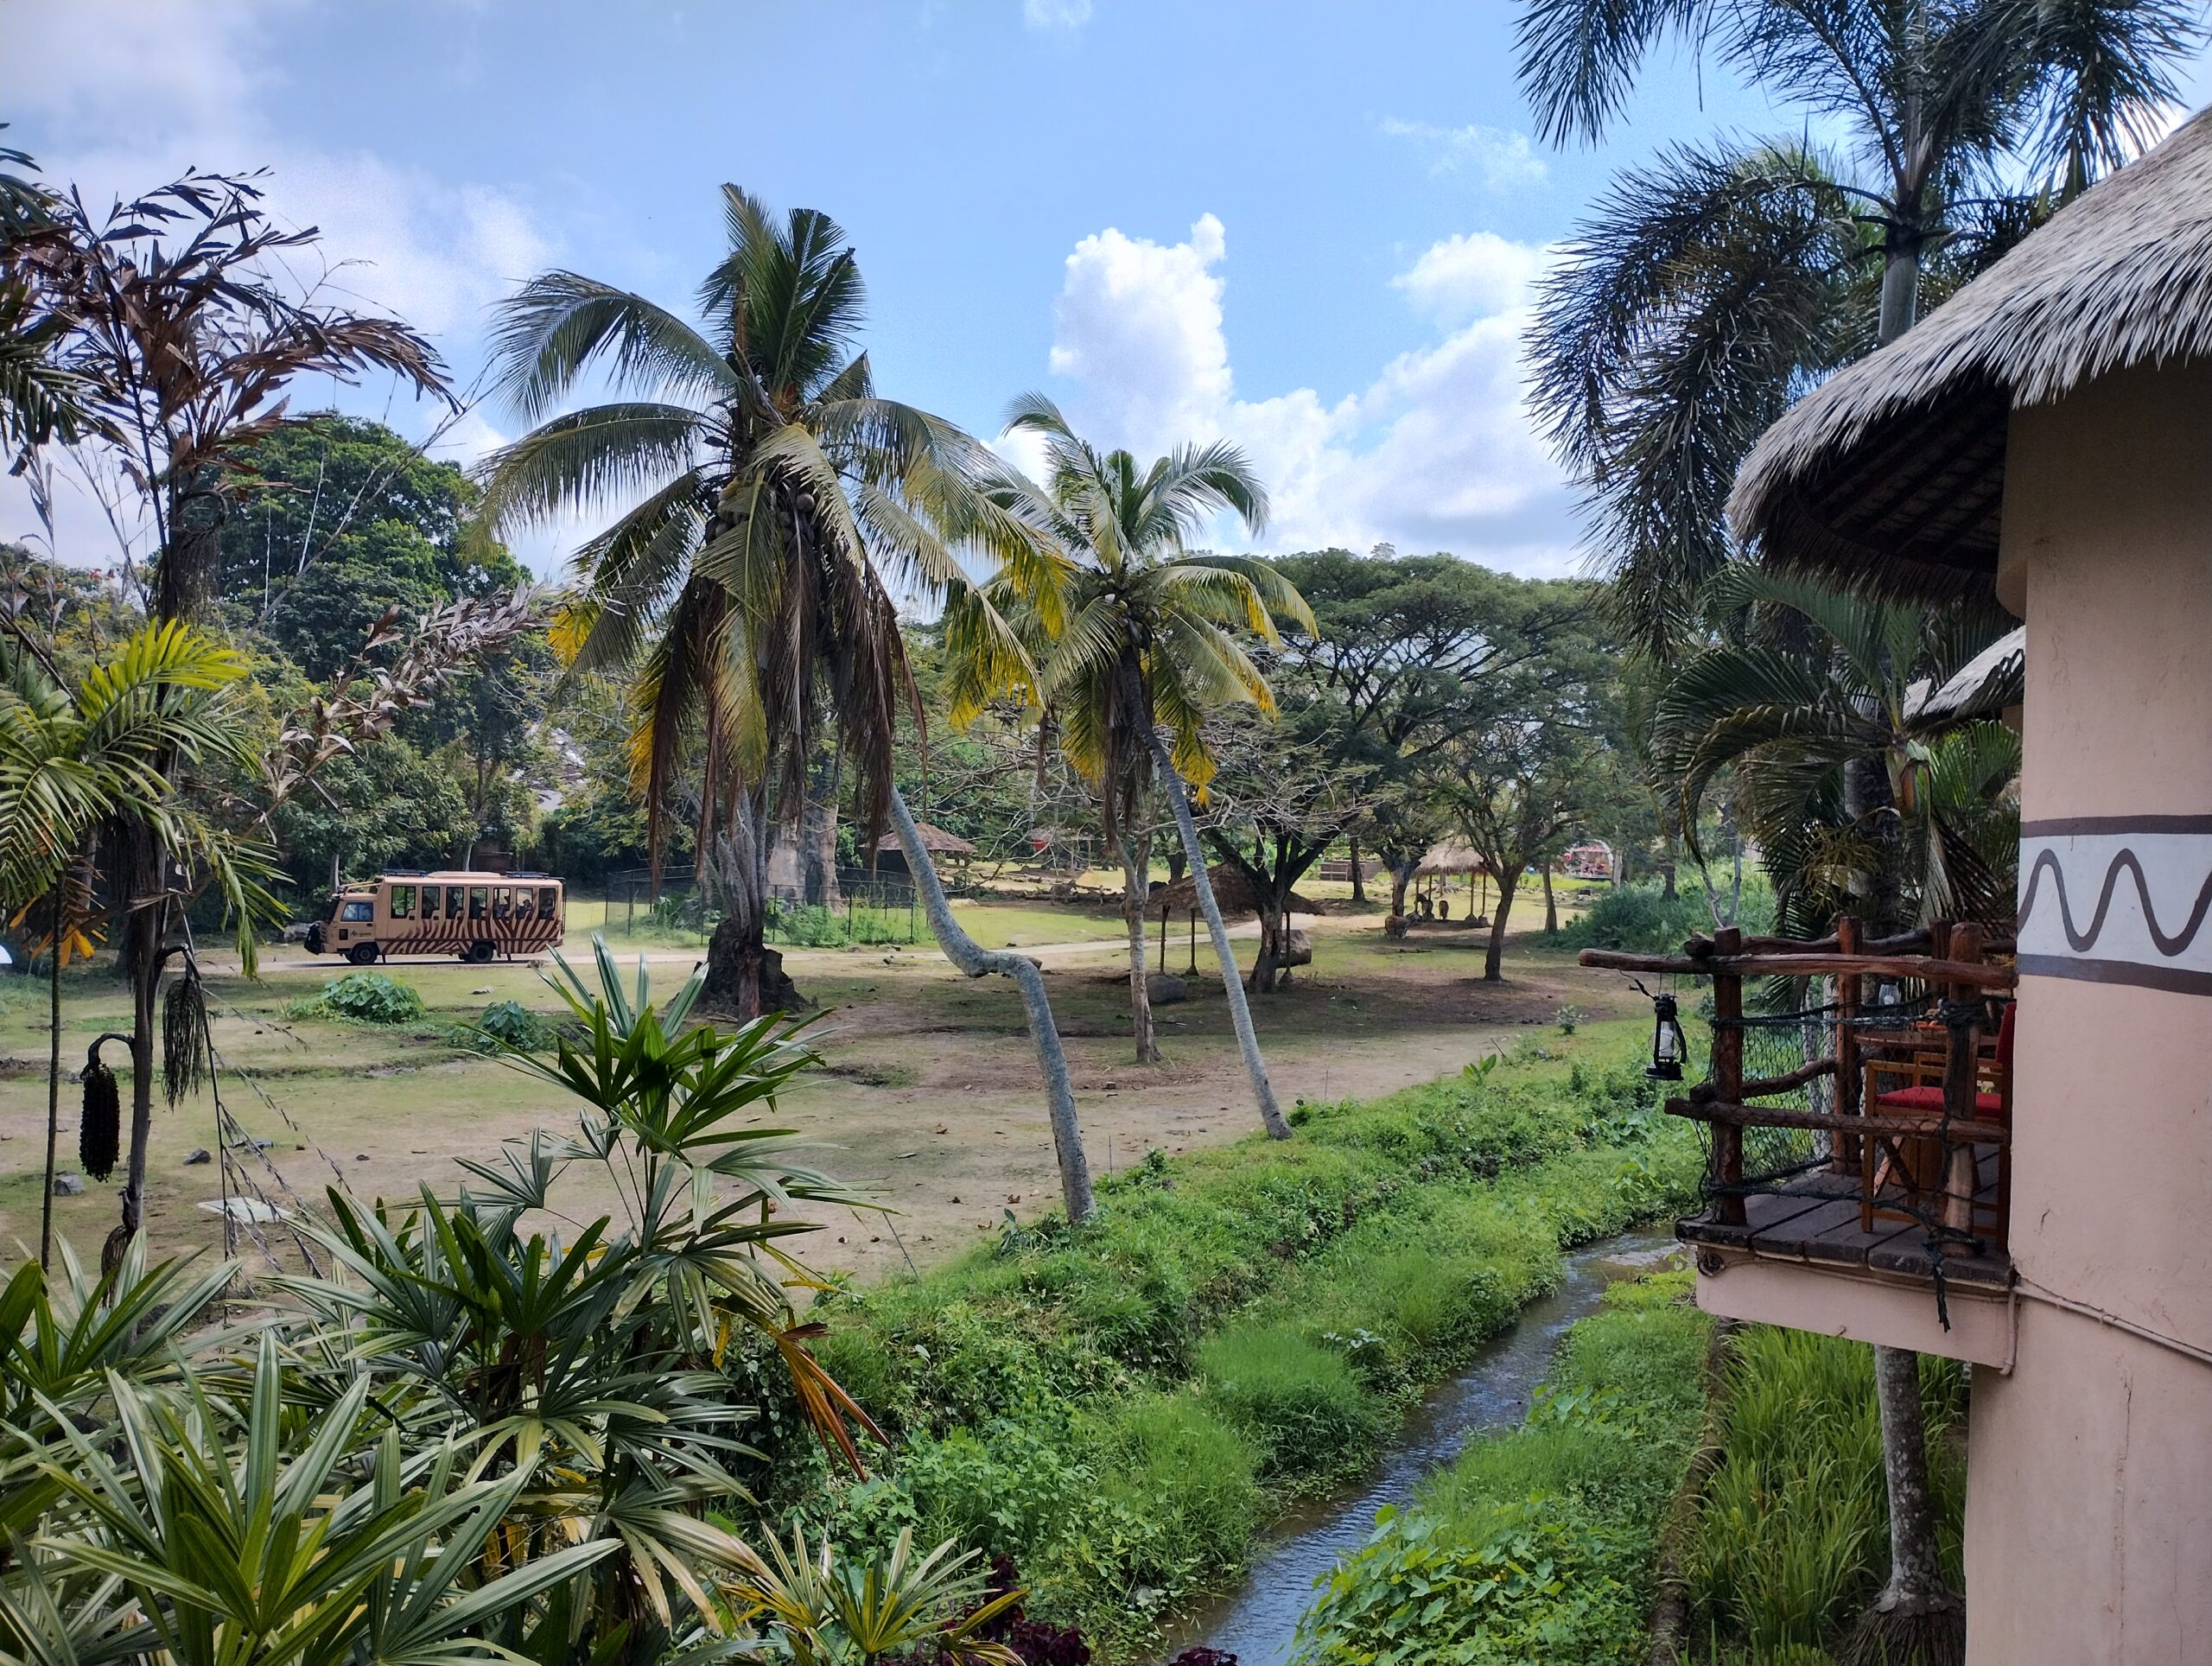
(1149, 645)
(88, 765)
(1713, 286)
(774, 510)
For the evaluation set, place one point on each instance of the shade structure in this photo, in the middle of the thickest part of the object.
(1891, 474)
(1231, 891)
(935, 840)
(1452, 856)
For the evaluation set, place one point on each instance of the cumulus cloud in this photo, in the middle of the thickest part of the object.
(1435, 452)
(1492, 157)
(147, 88)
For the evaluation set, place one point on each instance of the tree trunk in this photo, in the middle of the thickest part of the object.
(1177, 866)
(1551, 904)
(1494, 956)
(53, 1090)
(1270, 961)
(1358, 885)
(818, 835)
(1136, 891)
(1401, 876)
(191, 559)
(974, 961)
(1917, 1617)
(146, 914)
(745, 977)
(1240, 1014)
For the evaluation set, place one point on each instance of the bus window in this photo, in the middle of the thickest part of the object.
(503, 902)
(549, 904)
(478, 895)
(358, 912)
(453, 901)
(403, 902)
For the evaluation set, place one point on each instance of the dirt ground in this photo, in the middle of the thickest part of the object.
(929, 1099)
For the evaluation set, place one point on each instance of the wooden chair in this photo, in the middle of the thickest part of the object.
(1911, 1088)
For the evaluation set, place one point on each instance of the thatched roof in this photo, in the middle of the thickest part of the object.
(935, 840)
(1892, 472)
(1983, 687)
(1230, 891)
(1452, 856)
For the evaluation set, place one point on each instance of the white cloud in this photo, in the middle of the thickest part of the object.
(1056, 14)
(1496, 159)
(155, 87)
(1470, 275)
(1435, 453)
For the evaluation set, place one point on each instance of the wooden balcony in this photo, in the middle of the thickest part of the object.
(1862, 1131)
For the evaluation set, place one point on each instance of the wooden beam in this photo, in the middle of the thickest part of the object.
(1920, 968)
(1760, 1087)
(1724, 1115)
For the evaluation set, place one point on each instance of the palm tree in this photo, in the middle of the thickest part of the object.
(777, 509)
(92, 764)
(1149, 646)
(1711, 288)
(1823, 684)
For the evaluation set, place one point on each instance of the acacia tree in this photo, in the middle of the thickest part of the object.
(1149, 645)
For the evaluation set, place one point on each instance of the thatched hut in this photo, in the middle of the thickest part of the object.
(1280, 946)
(2044, 440)
(891, 858)
(1446, 860)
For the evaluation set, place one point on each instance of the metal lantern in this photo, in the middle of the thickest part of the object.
(1669, 1045)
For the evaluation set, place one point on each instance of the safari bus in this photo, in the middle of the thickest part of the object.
(477, 916)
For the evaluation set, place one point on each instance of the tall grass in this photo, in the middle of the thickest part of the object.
(1120, 1406)
(1537, 1544)
(1794, 1539)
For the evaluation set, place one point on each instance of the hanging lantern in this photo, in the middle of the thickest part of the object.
(1669, 1045)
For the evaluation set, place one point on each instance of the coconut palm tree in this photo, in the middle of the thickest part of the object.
(777, 507)
(88, 766)
(1713, 285)
(1149, 645)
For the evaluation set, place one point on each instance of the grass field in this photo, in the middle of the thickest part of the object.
(929, 1095)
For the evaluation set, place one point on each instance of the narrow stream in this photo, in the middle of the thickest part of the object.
(1257, 1623)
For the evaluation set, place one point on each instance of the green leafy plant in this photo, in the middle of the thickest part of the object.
(362, 998)
(1570, 1018)
(507, 1024)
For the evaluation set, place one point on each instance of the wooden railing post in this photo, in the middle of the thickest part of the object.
(1728, 1080)
(1961, 1081)
(1844, 1154)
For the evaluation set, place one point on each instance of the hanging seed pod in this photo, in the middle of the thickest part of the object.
(184, 1037)
(100, 1129)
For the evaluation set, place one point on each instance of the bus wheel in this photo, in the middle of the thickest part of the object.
(479, 952)
(363, 954)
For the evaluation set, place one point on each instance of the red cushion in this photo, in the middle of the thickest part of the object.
(1929, 1100)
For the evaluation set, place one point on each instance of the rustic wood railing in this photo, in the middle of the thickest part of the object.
(1923, 1162)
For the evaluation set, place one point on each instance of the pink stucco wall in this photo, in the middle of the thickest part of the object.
(2090, 1509)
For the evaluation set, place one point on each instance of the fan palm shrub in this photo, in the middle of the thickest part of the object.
(89, 767)
(1148, 646)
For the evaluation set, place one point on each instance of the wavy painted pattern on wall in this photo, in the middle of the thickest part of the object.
(2119, 901)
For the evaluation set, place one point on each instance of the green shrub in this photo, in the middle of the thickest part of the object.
(1168, 1458)
(1537, 1544)
(1642, 916)
(362, 998)
(1294, 1398)
(508, 1022)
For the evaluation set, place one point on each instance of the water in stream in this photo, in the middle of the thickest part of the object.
(1258, 1623)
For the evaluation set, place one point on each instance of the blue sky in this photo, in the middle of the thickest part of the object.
(1307, 226)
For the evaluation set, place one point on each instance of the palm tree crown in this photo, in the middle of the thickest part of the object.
(1711, 286)
(778, 508)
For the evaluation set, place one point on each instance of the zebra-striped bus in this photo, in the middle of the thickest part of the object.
(474, 915)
